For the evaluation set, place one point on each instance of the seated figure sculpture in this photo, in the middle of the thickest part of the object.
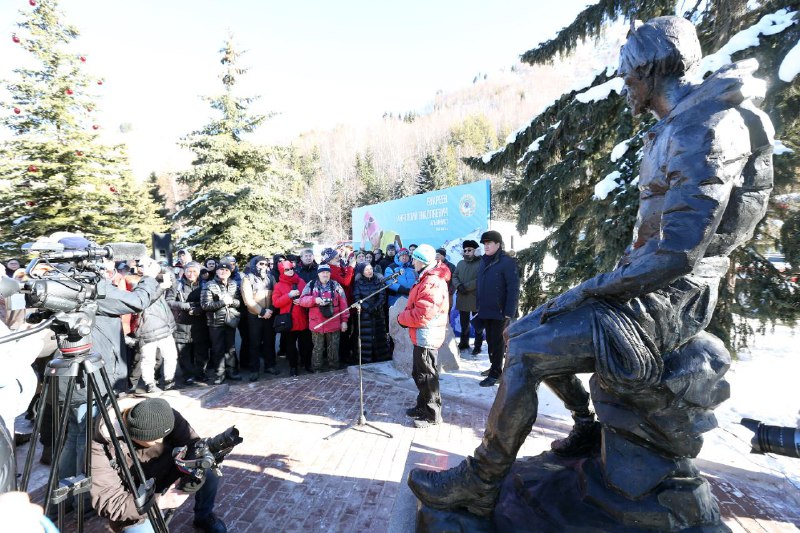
(705, 178)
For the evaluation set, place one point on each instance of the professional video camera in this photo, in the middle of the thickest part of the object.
(773, 439)
(206, 453)
(63, 280)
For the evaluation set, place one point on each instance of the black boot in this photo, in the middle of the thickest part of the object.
(454, 488)
(582, 440)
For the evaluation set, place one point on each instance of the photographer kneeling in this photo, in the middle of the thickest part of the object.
(157, 430)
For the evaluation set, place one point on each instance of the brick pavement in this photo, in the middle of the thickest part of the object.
(287, 477)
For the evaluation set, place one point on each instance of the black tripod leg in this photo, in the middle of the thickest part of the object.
(37, 427)
(60, 420)
(148, 498)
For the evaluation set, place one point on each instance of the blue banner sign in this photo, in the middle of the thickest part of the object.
(441, 218)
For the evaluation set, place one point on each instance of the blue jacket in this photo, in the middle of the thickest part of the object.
(498, 287)
(401, 286)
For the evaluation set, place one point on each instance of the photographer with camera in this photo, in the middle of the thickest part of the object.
(156, 429)
(324, 298)
(154, 332)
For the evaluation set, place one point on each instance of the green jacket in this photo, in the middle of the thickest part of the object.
(465, 281)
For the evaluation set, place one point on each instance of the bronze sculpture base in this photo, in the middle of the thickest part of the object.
(548, 493)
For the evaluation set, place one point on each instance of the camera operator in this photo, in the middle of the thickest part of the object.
(156, 429)
(108, 341)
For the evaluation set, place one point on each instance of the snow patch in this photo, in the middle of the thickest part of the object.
(768, 25)
(790, 66)
(619, 150)
(489, 155)
(606, 185)
(601, 92)
(779, 148)
(533, 147)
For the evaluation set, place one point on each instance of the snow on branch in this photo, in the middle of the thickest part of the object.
(601, 92)
(767, 25)
(790, 66)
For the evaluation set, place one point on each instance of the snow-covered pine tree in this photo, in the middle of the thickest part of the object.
(244, 196)
(573, 168)
(55, 174)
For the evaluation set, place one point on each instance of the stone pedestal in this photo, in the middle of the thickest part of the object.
(402, 357)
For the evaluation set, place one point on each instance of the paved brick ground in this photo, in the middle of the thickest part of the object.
(287, 476)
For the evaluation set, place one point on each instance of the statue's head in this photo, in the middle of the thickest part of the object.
(664, 47)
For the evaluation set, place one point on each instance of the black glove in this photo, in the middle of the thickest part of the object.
(190, 484)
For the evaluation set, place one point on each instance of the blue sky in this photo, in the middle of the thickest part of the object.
(317, 63)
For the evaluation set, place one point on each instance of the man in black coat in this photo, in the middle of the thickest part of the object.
(191, 333)
(498, 294)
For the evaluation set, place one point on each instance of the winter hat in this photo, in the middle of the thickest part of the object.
(402, 251)
(192, 264)
(225, 264)
(491, 236)
(229, 259)
(424, 254)
(283, 266)
(360, 268)
(76, 242)
(150, 420)
(441, 251)
(328, 254)
(323, 268)
(469, 243)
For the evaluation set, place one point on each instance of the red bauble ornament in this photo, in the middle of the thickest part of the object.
(33, 168)
(78, 153)
(95, 127)
(32, 2)
(83, 59)
(15, 39)
(99, 82)
(112, 188)
(30, 203)
(68, 91)
(17, 111)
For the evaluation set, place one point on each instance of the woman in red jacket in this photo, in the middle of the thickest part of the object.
(286, 298)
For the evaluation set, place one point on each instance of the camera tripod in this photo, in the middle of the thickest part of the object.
(80, 366)
(361, 421)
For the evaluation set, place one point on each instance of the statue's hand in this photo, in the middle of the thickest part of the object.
(562, 304)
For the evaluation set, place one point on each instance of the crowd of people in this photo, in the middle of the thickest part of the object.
(165, 326)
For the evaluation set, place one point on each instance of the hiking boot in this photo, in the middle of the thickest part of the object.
(153, 389)
(488, 382)
(486, 372)
(422, 423)
(463, 346)
(454, 488)
(218, 380)
(414, 412)
(210, 524)
(234, 376)
(582, 440)
(476, 350)
(169, 384)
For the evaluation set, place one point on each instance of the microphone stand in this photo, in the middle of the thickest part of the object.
(361, 421)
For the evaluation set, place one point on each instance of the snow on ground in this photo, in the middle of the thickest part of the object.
(763, 386)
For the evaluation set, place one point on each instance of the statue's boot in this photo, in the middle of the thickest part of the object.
(454, 488)
(582, 440)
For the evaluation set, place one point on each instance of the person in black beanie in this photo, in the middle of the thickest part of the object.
(156, 429)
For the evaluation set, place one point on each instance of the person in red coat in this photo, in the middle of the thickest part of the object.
(425, 316)
(286, 298)
(324, 299)
(342, 272)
